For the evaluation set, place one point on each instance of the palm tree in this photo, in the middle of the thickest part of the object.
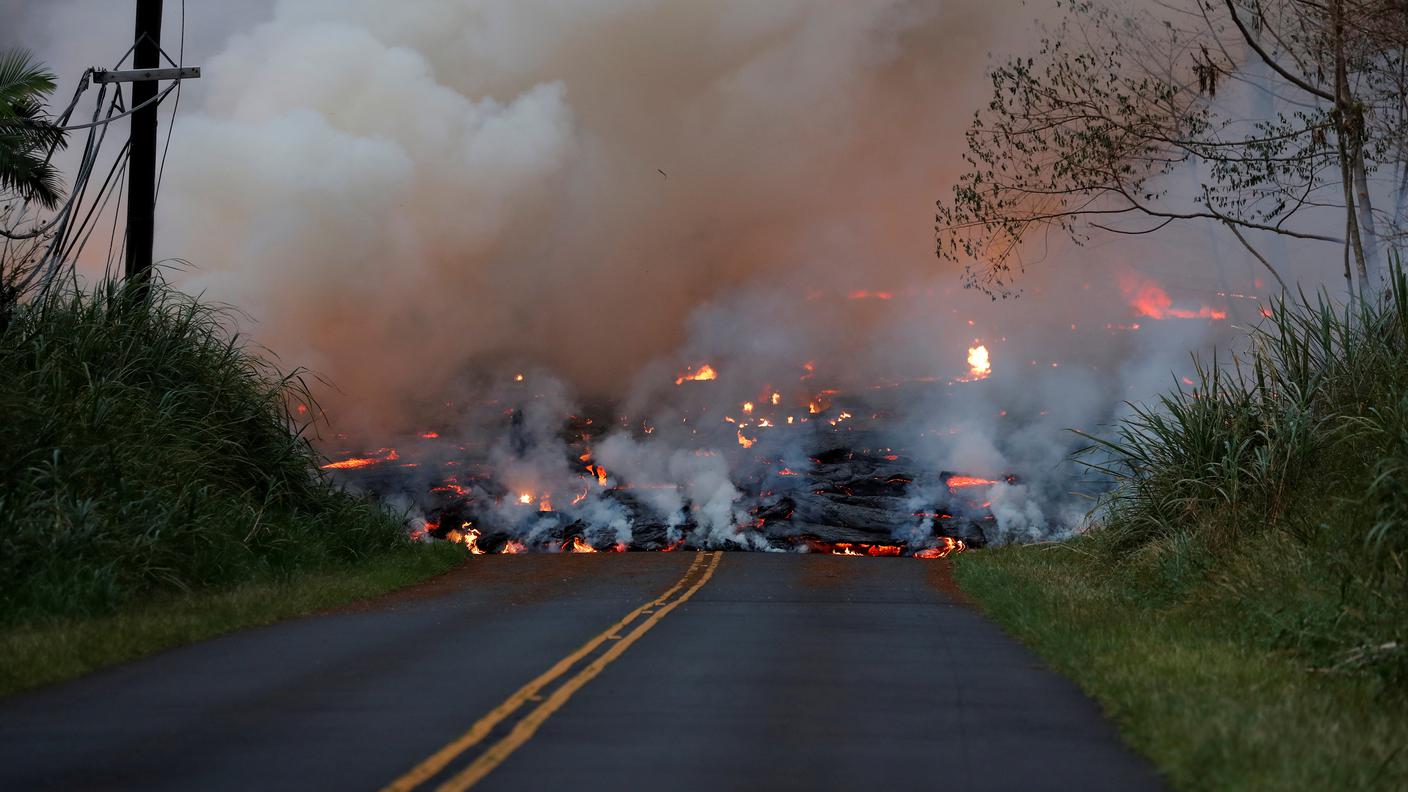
(27, 135)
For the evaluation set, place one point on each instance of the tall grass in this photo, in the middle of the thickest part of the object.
(146, 449)
(1289, 464)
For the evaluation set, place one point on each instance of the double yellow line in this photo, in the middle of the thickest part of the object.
(694, 579)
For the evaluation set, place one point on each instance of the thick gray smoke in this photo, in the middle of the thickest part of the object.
(410, 197)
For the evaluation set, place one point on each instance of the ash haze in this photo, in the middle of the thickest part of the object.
(418, 203)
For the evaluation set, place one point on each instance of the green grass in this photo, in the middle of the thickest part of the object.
(156, 486)
(1201, 683)
(40, 655)
(1240, 605)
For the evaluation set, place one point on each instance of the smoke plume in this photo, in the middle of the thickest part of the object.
(419, 202)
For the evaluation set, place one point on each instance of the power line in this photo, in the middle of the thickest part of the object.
(175, 106)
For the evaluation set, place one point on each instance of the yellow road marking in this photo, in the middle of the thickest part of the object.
(525, 728)
(529, 692)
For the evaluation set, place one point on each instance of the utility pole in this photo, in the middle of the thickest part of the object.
(141, 158)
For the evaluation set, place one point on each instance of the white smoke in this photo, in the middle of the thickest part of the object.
(610, 193)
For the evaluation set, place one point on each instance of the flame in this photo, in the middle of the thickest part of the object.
(844, 549)
(517, 377)
(748, 407)
(883, 550)
(581, 496)
(429, 435)
(979, 364)
(525, 498)
(704, 373)
(601, 475)
(672, 547)
(776, 399)
(959, 482)
(744, 441)
(467, 536)
(577, 545)
(545, 504)
(513, 547)
(864, 294)
(947, 547)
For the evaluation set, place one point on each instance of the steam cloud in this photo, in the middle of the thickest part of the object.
(418, 199)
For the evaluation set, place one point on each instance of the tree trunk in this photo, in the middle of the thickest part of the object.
(1373, 257)
(1348, 140)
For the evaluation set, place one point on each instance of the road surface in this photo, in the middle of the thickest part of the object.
(668, 671)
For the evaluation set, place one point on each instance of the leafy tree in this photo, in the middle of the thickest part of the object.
(1087, 135)
(27, 135)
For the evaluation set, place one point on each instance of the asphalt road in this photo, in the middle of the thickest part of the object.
(676, 671)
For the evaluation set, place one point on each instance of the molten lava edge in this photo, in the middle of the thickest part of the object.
(847, 502)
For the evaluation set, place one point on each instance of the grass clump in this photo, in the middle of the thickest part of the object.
(149, 451)
(1239, 606)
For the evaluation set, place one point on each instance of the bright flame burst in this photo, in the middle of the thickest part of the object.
(525, 498)
(577, 545)
(979, 364)
(704, 373)
(467, 536)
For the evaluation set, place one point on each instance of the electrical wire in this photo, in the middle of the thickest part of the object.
(175, 106)
(136, 108)
(68, 241)
(85, 164)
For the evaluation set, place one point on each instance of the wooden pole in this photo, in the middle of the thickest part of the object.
(141, 158)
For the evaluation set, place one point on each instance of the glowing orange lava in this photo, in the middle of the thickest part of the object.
(353, 463)
(1151, 301)
(947, 547)
(959, 482)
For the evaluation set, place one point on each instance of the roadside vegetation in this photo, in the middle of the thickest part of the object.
(1240, 607)
(153, 466)
(155, 483)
